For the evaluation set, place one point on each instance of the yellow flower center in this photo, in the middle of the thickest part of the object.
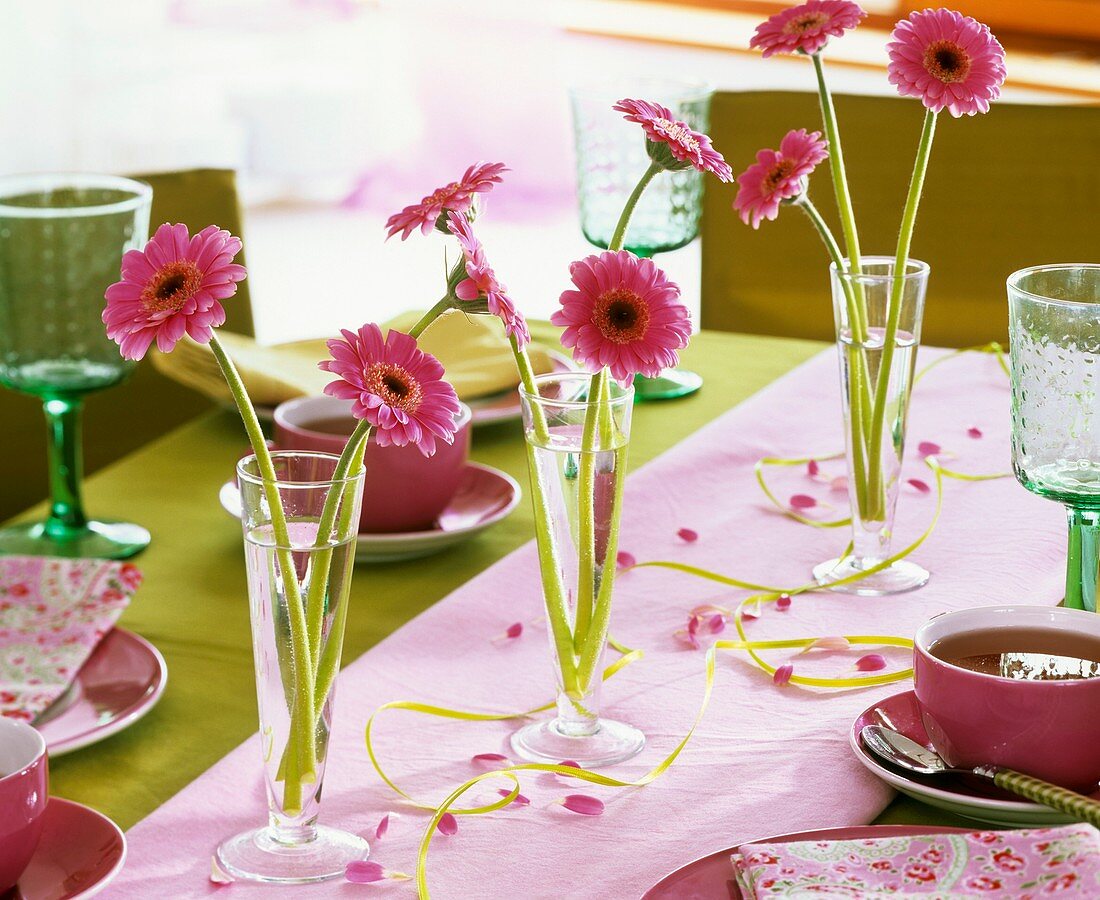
(676, 131)
(172, 286)
(805, 22)
(946, 61)
(394, 385)
(442, 195)
(621, 315)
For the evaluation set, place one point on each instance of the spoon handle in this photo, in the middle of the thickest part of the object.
(1082, 808)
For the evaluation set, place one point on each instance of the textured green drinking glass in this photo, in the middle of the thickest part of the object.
(611, 157)
(1054, 328)
(62, 238)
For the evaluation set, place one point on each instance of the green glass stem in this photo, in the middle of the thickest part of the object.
(63, 448)
(1083, 558)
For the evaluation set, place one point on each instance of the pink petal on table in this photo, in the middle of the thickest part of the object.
(783, 674)
(783, 602)
(974, 432)
(518, 800)
(829, 643)
(571, 763)
(218, 875)
(693, 625)
(802, 501)
(382, 827)
(625, 560)
(364, 871)
(688, 638)
(840, 483)
(583, 805)
(751, 612)
(688, 534)
(448, 824)
(918, 485)
(812, 468)
(872, 662)
(716, 624)
(490, 758)
(709, 609)
(514, 630)
(927, 448)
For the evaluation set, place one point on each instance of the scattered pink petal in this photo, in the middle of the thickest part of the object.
(688, 534)
(583, 805)
(974, 432)
(364, 871)
(919, 486)
(625, 560)
(812, 468)
(693, 625)
(783, 674)
(688, 638)
(927, 448)
(783, 602)
(802, 501)
(382, 827)
(571, 763)
(218, 875)
(490, 758)
(518, 800)
(514, 630)
(716, 624)
(872, 662)
(709, 609)
(448, 824)
(751, 611)
(828, 643)
(839, 484)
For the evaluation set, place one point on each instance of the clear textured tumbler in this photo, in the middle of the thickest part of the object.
(1054, 330)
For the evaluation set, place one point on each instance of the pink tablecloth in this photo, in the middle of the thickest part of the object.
(766, 760)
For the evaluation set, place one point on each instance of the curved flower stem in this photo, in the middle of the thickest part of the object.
(619, 235)
(893, 315)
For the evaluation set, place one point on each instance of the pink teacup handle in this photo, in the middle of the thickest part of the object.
(1082, 808)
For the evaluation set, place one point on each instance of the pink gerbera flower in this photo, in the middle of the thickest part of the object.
(672, 143)
(481, 281)
(395, 386)
(172, 287)
(948, 60)
(778, 175)
(624, 314)
(806, 27)
(457, 196)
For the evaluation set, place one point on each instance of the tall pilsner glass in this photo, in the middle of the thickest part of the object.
(62, 238)
(1054, 330)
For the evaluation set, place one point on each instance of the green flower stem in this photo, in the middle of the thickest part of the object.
(586, 498)
(905, 237)
(619, 235)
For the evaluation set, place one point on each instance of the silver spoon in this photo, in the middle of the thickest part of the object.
(904, 753)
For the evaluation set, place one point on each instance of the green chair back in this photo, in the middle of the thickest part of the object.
(1013, 188)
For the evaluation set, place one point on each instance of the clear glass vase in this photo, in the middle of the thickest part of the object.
(878, 321)
(299, 578)
(1054, 332)
(577, 429)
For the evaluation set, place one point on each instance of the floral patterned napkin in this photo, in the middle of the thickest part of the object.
(1026, 865)
(53, 614)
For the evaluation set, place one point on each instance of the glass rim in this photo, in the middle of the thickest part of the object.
(917, 269)
(692, 89)
(548, 377)
(296, 485)
(12, 185)
(1013, 283)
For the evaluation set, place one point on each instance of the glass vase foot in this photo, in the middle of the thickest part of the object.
(902, 576)
(99, 540)
(669, 385)
(259, 855)
(544, 742)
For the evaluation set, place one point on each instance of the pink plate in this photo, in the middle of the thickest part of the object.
(711, 877)
(121, 681)
(504, 407)
(80, 852)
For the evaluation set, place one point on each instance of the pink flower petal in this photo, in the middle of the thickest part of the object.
(802, 501)
(364, 871)
(716, 624)
(583, 805)
(448, 824)
(491, 758)
(693, 625)
(688, 534)
(514, 630)
(839, 484)
(812, 468)
(518, 800)
(382, 827)
(625, 560)
(572, 764)
(783, 674)
(752, 611)
(927, 448)
(783, 602)
(218, 875)
(829, 643)
(709, 609)
(974, 432)
(872, 662)
(918, 485)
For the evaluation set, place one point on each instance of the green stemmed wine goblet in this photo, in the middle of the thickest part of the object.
(611, 157)
(62, 238)
(1054, 328)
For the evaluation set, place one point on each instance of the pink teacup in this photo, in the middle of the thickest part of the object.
(404, 490)
(1048, 729)
(23, 795)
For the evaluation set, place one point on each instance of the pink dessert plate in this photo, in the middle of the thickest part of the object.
(711, 877)
(485, 496)
(121, 681)
(81, 851)
(973, 798)
(505, 406)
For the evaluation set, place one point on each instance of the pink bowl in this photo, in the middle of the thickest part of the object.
(23, 795)
(404, 490)
(1048, 729)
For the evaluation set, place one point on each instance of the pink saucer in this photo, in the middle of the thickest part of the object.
(121, 681)
(711, 877)
(81, 851)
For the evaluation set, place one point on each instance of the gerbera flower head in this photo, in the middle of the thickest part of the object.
(481, 282)
(625, 314)
(778, 175)
(172, 287)
(948, 60)
(806, 28)
(672, 144)
(395, 386)
(457, 196)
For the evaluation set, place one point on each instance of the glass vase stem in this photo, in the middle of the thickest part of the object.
(1083, 567)
(66, 468)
